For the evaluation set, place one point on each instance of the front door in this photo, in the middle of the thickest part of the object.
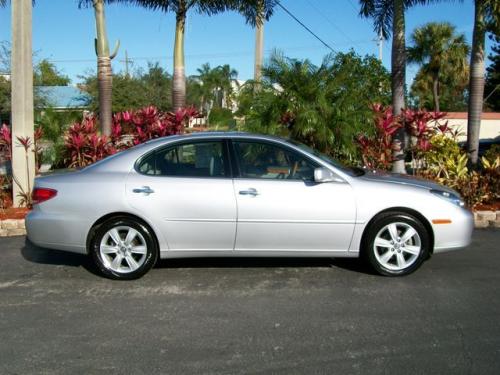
(281, 208)
(186, 189)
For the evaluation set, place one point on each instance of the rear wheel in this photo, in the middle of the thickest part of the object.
(124, 249)
(397, 244)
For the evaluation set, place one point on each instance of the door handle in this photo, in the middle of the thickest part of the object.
(145, 190)
(251, 191)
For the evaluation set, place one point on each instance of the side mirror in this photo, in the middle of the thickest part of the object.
(323, 174)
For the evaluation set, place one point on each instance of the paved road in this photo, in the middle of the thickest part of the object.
(250, 316)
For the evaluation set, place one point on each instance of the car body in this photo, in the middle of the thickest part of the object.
(239, 194)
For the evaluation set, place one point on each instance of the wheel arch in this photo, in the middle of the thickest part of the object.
(406, 210)
(103, 219)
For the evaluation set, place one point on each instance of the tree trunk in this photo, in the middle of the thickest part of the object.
(398, 72)
(104, 72)
(105, 83)
(259, 43)
(259, 51)
(435, 93)
(476, 83)
(179, 79)
(23, 163)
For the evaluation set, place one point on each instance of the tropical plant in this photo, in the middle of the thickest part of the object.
(104, 57)
(421, 125)
(84, 145)
(215, 86)
(486, 17)
(137, 90)
(323, 106)
(438, 49)
(46, 74)
(452, 91)
(181, 8)
(389, 17)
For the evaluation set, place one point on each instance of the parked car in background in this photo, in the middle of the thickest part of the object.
(241, 195)
(484, 145)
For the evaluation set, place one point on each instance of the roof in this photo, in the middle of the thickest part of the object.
(463, 115)
(64, 97)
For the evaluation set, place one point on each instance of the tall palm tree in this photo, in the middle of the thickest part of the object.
(389, 15)
(181, 8)
(486, 17)
(104, 71)
(436, 47)
(23, 162)
(255, 13)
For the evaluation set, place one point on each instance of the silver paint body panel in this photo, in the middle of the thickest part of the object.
(208, 217)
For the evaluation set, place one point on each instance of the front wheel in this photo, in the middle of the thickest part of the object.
(397, 244)
(124, 249)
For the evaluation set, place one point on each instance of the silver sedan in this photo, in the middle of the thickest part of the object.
(240, 195)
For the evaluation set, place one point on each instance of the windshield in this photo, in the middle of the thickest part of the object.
(351, 171)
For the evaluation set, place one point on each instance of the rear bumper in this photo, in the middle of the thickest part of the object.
(454, 236)
(55, 232)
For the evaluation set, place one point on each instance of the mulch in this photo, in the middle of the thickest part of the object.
(13, 213)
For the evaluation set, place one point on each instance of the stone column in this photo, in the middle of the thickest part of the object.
(23, 169)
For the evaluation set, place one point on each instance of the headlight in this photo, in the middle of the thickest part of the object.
(450, 197)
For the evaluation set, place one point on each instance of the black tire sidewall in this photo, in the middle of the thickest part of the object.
(381, 222)
(151, 255)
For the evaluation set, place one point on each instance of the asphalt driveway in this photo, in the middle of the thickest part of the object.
(258, 316)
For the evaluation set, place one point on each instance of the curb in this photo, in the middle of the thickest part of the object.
(487, 219)
(12, 227)
(482, 219)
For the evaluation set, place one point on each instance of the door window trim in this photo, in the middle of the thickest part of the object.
(228, 170)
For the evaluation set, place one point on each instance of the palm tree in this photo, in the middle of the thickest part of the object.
(437, 48)
(486, 16)
(255, 13)
(23, 161)
(104, 71)
(215, 86)
(180, 8)
(387, 15)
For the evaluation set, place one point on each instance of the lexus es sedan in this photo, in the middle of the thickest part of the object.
(242, 195)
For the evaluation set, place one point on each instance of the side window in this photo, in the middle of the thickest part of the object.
(200, 159)
(266, 161)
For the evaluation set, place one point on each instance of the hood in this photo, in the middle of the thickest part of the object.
(404, 179)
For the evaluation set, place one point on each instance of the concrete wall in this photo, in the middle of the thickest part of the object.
(490, 124)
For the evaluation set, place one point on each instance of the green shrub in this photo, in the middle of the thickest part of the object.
(221, 117)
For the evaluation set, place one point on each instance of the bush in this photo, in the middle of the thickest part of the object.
(221, 117)
(84, 145)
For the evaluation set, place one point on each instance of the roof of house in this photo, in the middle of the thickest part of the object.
(64, 97)
(463, 115)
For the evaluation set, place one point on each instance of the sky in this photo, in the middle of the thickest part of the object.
(64, 34)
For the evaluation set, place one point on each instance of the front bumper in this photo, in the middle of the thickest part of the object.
(456, 235)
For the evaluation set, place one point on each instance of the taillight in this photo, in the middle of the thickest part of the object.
(43, 194)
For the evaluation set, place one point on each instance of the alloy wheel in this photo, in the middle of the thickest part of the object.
(397, 246)
(123, 249)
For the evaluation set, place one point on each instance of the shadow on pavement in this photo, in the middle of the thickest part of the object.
(35, 254)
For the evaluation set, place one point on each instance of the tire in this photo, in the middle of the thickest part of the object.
(396, 244)
(123, 249)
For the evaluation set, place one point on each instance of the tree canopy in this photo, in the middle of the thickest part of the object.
(324, 106)
(141, 89)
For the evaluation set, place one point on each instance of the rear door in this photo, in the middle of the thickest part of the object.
(281, 208)
(186, 189)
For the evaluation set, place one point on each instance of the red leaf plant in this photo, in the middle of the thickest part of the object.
(420, 124)
(85, 146)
